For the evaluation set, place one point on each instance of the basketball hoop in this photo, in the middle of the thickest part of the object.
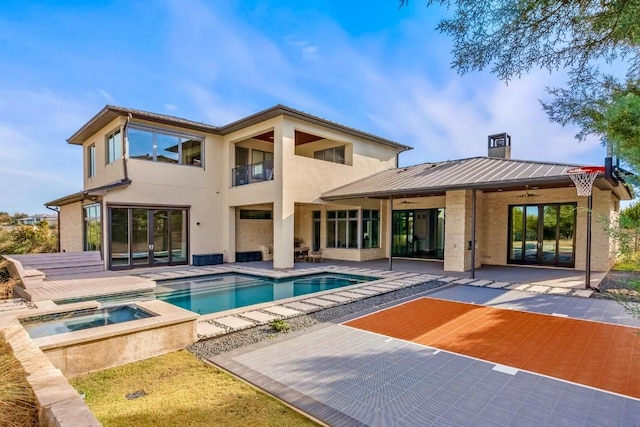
(583, 177)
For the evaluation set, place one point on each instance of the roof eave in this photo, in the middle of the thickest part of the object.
(279, 110)
(84, 194)
(415, 192)
(110, 112)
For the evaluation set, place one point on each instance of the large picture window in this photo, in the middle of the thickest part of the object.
(92, 228)
(342, 229)
(164, 147)
(114, 146)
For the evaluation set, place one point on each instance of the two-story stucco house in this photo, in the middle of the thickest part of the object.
(159, 190)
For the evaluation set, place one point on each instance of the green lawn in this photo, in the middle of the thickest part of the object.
(180, 391)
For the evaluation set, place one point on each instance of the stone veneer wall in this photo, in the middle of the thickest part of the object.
(71, 228)
(494, 217)
(253, 233)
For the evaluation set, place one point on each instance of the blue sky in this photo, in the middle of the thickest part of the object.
(369, 65)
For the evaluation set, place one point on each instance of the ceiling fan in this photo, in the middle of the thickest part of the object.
(527, 193)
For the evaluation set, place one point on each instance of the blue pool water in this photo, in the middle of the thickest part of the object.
(212, 294)
(60, 323)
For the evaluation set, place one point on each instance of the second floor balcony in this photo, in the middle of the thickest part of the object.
(257, 172)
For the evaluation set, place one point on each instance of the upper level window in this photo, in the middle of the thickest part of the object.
(333, 154)
(91, 160)
(114, 146)
(165, 147)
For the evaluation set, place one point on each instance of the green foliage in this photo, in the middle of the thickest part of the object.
(279, 325)
(24, 239)
(581, 37)
(17, 403)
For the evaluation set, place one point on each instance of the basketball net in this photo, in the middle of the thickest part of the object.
(583, 177)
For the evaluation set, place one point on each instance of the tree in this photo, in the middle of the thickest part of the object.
(582, 37)
(24, 239)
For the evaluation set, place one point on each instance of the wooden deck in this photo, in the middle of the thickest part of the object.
(595, 354)
(71, 275)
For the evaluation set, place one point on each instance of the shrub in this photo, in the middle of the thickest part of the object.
(279, 325)
(17, 403)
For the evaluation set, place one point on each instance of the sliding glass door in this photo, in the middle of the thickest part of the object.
(418, 233)
(143, 237)
(542, 234)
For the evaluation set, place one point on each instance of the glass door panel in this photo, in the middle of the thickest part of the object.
(139, 237)
(549, 235)
(119, 246)
(531, 235)
(160, 238)
(402, 233)
(178, 236)
(542, 234)
(516, 242)
(566, 235)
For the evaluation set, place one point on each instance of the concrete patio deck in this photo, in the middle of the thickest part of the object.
(347, 376)
(534, 275)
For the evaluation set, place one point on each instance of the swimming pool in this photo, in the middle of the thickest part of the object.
(60, 323)
(211, 294)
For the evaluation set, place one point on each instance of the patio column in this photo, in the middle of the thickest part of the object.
(283, 206)
(458, 231)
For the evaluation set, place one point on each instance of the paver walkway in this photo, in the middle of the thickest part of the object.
(596, 354)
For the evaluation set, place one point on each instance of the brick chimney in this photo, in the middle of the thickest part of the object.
(500, 146)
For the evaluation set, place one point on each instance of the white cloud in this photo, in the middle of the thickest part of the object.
(107, 96)
(170, 107)
(37, 161)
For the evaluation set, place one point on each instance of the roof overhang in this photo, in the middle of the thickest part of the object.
(111, 112)
(621, 190)
(87, 194)
(283, 110)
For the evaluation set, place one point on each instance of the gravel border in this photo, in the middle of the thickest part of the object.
(211, 347)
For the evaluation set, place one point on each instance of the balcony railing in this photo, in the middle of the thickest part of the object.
(257, 172)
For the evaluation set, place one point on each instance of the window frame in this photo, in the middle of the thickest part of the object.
(330, 154)
(367, 216)
(349, 219)
(91, 160)
(183, 138)
(112, 151)
(92, 214)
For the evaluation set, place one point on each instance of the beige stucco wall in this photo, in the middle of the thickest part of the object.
(71, 228)
(299, 179)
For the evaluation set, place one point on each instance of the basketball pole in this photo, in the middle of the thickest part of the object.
(587, 278)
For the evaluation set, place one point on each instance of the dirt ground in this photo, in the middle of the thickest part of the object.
(620, 282)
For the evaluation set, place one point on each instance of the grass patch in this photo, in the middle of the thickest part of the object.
(18, 406)
(180, 390)
(629, 264)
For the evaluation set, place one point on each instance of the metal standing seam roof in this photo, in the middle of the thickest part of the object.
(476, 172)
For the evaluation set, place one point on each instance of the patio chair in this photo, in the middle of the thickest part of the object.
(312, 256)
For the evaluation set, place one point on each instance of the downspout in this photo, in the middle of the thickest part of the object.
(125, 141)
(57, 211)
